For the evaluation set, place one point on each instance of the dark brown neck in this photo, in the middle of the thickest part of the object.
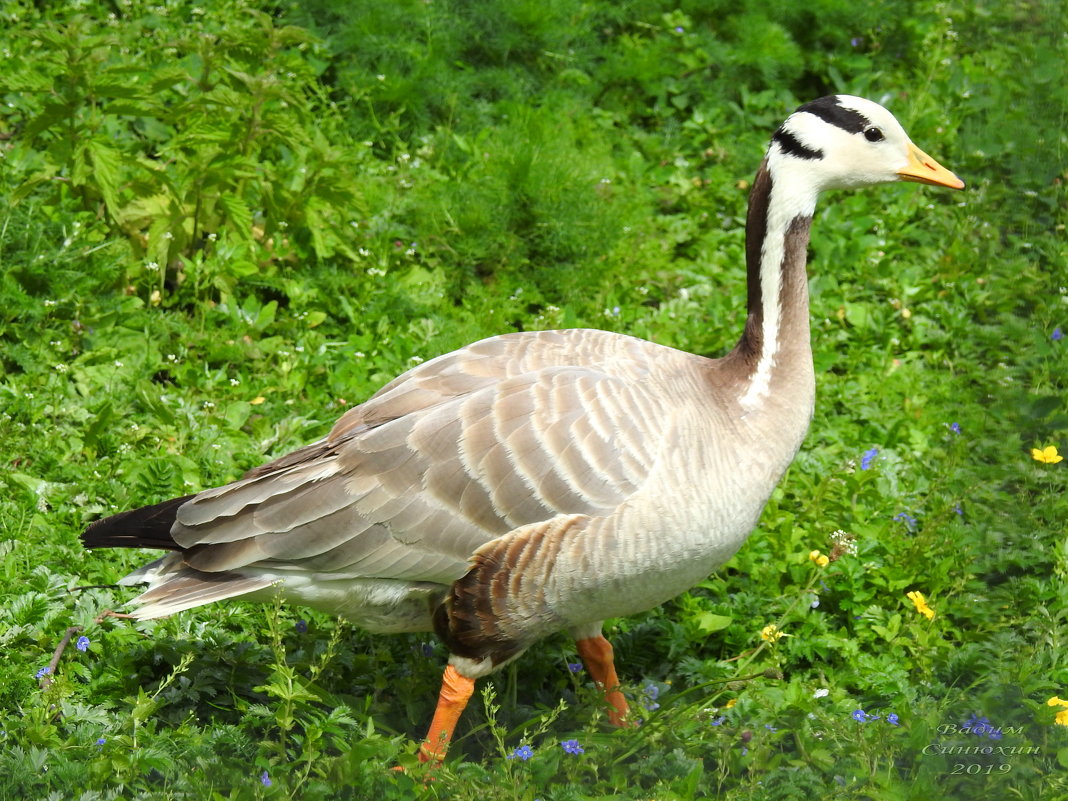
(776, 328)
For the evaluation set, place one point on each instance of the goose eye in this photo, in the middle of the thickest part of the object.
(873, 134)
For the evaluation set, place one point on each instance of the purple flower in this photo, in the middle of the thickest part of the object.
(572, 747)
(1057, 334)
(856, 41)
(82, 643)
(265, 780)
(954, 427)
(574, 667)
(868, 457)
(301, 626)
(523, 752)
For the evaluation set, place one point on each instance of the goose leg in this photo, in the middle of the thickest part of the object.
(596, 653)
(456, 690)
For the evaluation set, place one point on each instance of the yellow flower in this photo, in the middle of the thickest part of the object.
(1062, 717)
(770, 633)
(1047, 455)
(731, 703)
(921, 604)
(819, 559)
(257, 400)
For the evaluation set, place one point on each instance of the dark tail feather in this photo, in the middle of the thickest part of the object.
(147, 527)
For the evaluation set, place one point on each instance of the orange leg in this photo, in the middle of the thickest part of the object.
(596, 652)
(455, 692)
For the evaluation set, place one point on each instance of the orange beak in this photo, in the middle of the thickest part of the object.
(925, 170)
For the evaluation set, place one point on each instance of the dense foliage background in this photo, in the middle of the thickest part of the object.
(225, 222)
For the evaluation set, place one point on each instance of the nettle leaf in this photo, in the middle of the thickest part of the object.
(106, 163)
(53, 112)
(239, 213)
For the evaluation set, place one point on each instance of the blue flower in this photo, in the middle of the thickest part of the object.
(574, 667)
(301, 626)
(100, 741)
(908, 520)
(868, 457)
(82, 644)
(523, 752)
(265, 780)
(859, 716)
(1057, 334)
(40, 674)
(769, 727)
(892, 719)
(650, 692)
(954, 427)
(572, 747)
(719, 721)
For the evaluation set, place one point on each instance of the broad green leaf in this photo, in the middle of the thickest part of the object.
(708, 622)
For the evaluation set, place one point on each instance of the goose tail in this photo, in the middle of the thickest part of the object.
(147, 527)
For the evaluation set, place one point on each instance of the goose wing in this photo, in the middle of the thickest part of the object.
(452, 454)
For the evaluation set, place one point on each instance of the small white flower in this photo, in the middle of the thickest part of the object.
(234, 382)
(822, 692)
(61, 368)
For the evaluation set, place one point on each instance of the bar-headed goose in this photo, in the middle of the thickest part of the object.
(539, 481)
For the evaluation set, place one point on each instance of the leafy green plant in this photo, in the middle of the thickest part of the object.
(348, 194)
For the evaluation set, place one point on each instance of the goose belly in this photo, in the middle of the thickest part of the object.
(381, 606)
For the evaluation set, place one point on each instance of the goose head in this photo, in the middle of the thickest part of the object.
(843, 142)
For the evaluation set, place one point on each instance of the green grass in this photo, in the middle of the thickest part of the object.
(225, 223)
